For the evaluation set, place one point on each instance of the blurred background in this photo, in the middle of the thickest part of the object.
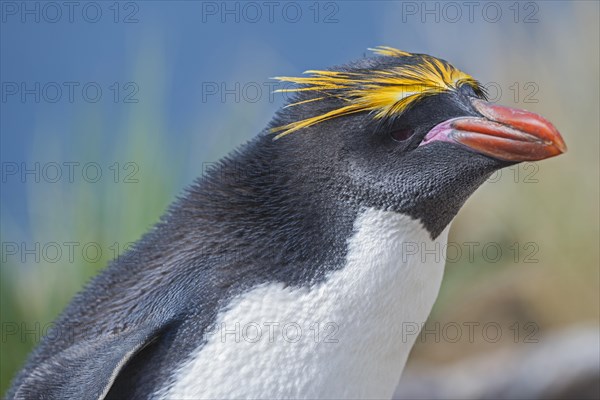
(109, 109)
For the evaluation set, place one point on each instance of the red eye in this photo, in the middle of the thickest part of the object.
(402, 134)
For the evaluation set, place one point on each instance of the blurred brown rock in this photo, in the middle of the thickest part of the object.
(563, 365)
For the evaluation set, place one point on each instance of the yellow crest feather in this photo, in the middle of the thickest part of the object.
(384, 93)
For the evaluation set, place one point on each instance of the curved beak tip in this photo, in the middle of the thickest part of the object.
(508, 134)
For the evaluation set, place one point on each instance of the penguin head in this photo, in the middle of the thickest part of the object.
(405, 132)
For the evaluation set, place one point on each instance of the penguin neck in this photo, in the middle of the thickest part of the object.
(348, 335)
(283, 222)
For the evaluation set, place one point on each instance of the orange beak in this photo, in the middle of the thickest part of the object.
(505, 133)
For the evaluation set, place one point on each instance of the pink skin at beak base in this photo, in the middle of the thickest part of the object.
(504, 133)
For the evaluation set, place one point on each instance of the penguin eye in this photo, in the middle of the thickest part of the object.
(401, 135)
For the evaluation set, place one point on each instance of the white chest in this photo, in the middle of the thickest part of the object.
(344, 338)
